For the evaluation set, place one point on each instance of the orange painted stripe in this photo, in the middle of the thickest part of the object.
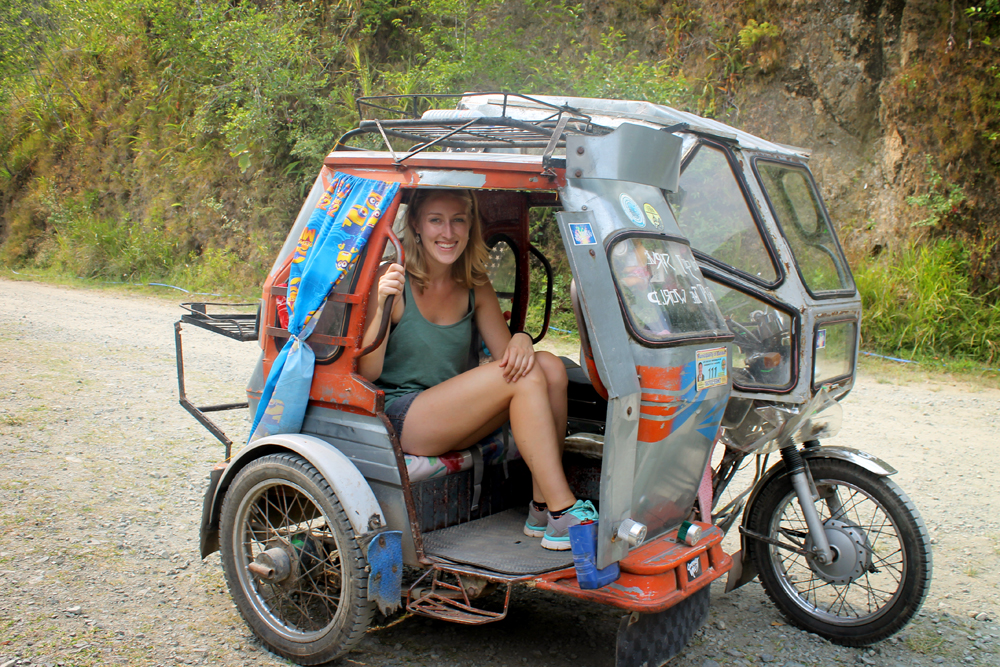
(654, 430)
(652, 377)
(658, 398)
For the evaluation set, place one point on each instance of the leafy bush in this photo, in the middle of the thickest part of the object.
(939, 201)
(919, 301)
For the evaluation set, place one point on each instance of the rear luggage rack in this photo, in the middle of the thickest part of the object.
(412, 118)
(242, 327)
(238, 326)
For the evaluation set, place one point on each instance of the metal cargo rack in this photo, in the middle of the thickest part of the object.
(242, 327)
(414, 118)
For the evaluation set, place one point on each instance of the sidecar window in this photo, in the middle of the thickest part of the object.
(333, 320)
(763, 336)
(662, 289)
(713, 214)
(501, 267)
(797, 208)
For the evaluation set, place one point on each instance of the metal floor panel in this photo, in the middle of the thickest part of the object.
(496, 543)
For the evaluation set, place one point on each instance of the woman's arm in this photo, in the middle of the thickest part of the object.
(389, 281)
(516, 353)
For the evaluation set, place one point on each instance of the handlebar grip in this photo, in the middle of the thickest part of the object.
(383, 326)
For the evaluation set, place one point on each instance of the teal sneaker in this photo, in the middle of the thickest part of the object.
(556, 535)
(536, 522)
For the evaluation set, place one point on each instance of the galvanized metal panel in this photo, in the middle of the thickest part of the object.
(609, 341)
(669, 466)
(651, 482)
(361, 438)
(634, 153)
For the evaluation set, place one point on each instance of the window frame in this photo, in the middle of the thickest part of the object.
(614, 239)
(755, 214)
(796, 330)
(800, 166)
(825, 321)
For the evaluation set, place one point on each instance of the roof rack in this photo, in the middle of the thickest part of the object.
(415, 119)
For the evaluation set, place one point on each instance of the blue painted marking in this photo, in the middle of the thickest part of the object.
(385, 558)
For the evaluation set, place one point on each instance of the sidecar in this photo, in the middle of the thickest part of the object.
(315, 527)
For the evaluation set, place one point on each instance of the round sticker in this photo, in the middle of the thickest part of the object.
(632, 210)
(653, 216)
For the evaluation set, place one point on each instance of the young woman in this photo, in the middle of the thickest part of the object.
(434, 403)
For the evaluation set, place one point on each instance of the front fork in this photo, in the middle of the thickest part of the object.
(804, 490)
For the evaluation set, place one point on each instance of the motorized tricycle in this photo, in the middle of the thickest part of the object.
(718, 323)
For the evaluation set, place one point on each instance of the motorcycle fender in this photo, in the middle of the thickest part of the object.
(744, 569)
(353, 492)
(864, 460)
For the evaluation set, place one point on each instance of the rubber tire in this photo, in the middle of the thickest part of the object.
(354, 613)
(912, 536)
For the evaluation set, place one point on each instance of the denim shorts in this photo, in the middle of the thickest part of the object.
(397, 409)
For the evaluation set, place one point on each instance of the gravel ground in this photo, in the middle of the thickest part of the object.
(102, 477)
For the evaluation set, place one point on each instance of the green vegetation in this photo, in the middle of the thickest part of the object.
(174, 140)
(920, 302)
(938, 203)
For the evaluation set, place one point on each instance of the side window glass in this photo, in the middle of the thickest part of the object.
(713, 214)
(662, 290)
(763, 336)
(333, 319)
(798, 210)
(502, 270)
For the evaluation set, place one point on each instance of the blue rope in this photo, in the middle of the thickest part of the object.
(911, 361)
(120, 282)
(904, 361)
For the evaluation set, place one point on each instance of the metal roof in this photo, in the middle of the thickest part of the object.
(612, 113)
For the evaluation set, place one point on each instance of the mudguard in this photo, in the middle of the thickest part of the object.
(744, 570)
(351, 489)
(652, 640)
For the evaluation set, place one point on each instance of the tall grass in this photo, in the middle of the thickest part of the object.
(918, 301)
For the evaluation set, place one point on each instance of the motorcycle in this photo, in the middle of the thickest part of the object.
(707, 279)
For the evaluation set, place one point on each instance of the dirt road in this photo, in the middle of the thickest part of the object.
(102, 475)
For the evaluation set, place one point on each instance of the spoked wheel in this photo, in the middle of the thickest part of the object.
(296, 575)
(881, 569)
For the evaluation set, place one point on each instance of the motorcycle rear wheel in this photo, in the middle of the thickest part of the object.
(883, 567)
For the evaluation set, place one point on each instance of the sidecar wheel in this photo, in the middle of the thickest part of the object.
(292, 566)
(882, 568)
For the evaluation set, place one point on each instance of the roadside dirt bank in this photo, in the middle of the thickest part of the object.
(102, 475)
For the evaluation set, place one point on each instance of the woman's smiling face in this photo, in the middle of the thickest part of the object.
(443, 223)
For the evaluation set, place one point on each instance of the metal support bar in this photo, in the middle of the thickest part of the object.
(196, 412)
(773, 542)
(803, 490)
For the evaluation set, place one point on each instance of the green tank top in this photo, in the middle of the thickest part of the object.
(421, 354)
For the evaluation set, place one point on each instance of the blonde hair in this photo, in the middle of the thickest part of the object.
(469, 270)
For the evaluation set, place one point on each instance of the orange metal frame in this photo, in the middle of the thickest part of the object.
(654, 577)
(337, 384)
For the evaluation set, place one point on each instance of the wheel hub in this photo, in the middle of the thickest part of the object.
(272, 566)
(852, 555)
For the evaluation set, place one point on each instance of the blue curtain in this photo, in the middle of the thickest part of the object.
(331, 242)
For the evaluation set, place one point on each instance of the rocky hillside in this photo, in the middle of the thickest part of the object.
(890, 96)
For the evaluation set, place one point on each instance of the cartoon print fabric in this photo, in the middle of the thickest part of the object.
(333, 238)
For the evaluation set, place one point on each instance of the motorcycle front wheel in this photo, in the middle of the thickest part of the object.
(881, 569)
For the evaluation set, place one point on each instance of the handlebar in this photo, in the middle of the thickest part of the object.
(383, 326)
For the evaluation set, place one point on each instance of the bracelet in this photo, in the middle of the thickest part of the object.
(524, 332)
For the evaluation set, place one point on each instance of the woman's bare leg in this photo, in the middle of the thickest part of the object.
(555, 377)
(452, 416)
